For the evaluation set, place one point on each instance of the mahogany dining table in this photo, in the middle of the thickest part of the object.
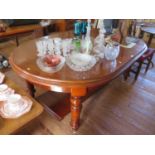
(23, 62)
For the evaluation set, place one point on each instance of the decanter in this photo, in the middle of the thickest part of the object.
(87, 42)
(99, 42)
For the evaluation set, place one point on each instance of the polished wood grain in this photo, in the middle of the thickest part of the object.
(129, 109)
(120, 107)
(11, 126)
(23, 62)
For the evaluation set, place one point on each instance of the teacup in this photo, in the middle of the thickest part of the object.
(13, 103)
(5, 91)
(14, 98)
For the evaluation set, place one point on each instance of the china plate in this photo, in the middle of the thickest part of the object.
(44, 67)
(131, 40)
(80, 62)
(25, 106)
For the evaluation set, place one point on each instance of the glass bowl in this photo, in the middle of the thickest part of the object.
(50, 69)
(80, 61)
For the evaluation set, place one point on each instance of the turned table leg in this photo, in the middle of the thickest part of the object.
(31, 89)
(75, 112)
(76, 106)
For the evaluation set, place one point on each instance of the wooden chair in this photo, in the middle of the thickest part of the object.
(122, 31)
(146, 58)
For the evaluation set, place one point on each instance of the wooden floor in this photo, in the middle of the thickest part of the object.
(120, 107)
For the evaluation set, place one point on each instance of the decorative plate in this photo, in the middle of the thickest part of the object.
(80, 62)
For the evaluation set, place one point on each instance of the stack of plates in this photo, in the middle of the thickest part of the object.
(14, 109)
(12, 105)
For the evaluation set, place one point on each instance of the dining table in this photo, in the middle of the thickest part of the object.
(76, 83)
(147, 27)
(150, 31)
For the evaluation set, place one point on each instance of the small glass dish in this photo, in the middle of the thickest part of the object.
(80, 61)
(44, 66)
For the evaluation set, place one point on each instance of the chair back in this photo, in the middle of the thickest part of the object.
(123, 29)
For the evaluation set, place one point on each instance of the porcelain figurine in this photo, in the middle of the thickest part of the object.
(87, 42)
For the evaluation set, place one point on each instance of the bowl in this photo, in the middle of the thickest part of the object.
(80, 61)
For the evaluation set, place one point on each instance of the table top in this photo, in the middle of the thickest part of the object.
(10, 126)
(145, 24)
(19, 29)
(148, 29)
(23, 61)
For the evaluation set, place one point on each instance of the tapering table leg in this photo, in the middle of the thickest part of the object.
(75, 112)
(31, 89)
